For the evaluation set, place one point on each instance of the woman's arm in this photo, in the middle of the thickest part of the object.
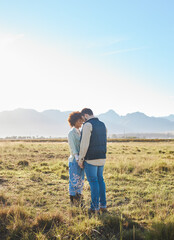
(71, 142)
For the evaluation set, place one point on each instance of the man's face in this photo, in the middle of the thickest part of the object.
(84, 117)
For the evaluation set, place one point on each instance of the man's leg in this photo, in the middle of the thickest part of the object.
(102, 188)
(91, 174)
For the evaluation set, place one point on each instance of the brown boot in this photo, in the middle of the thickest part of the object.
(72, 200)
(79, 200)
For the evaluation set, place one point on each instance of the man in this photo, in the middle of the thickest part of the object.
(92, 157)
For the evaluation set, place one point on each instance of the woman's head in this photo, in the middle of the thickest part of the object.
(75, 119)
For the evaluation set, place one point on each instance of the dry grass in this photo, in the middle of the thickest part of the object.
(34, 200)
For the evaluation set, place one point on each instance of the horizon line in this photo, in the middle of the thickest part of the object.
(51, 109)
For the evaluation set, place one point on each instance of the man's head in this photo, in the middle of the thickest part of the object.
(87, 113)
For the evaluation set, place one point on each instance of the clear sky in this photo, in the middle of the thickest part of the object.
(102, 54)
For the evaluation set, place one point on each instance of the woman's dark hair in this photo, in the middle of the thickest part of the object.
(74, 117)
(87, 111)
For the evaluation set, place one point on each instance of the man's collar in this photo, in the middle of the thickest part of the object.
(93, 117)
(90, 117)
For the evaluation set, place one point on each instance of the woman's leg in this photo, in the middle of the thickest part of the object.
(76, 178)
(71, 188)
(102, 188)
(91, 174)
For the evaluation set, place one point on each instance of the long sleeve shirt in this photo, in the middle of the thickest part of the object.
(84, 144)
(74, 143)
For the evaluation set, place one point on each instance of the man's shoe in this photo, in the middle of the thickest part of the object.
(92, 212)
(103, 210)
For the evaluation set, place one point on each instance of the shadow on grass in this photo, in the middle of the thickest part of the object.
(118, 227)
(122, 228)
(16, 223)
(161, 231)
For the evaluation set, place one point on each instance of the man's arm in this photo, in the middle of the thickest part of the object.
(84, 144)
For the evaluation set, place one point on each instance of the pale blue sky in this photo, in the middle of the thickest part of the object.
(102, 54)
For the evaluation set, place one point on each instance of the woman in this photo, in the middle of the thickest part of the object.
(76, 174)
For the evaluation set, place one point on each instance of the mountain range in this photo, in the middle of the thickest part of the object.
(53, 123)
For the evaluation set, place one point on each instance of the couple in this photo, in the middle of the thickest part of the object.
(88, 154)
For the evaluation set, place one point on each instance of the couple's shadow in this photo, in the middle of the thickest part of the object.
(116, 226)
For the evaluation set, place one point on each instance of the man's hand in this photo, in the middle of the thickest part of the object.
(80, 163)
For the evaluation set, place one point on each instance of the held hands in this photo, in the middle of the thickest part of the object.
(80, 163)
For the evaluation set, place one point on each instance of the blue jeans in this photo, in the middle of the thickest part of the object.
(94, 176)
(76, 178)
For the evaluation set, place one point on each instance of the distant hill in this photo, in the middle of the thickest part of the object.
(136, 123)
(170, 117)
(28, 122)
(53, 123)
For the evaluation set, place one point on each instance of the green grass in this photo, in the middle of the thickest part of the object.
(34, 199)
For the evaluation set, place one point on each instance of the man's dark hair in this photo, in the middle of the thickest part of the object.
(87, 111)
(74, 117)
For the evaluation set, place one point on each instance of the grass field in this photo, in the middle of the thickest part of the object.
(34, 199)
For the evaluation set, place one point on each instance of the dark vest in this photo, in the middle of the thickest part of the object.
(97, 145)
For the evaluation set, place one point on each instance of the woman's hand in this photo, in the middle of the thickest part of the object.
(80, 163)
(76, 157)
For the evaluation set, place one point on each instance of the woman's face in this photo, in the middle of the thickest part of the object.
(78, 123)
